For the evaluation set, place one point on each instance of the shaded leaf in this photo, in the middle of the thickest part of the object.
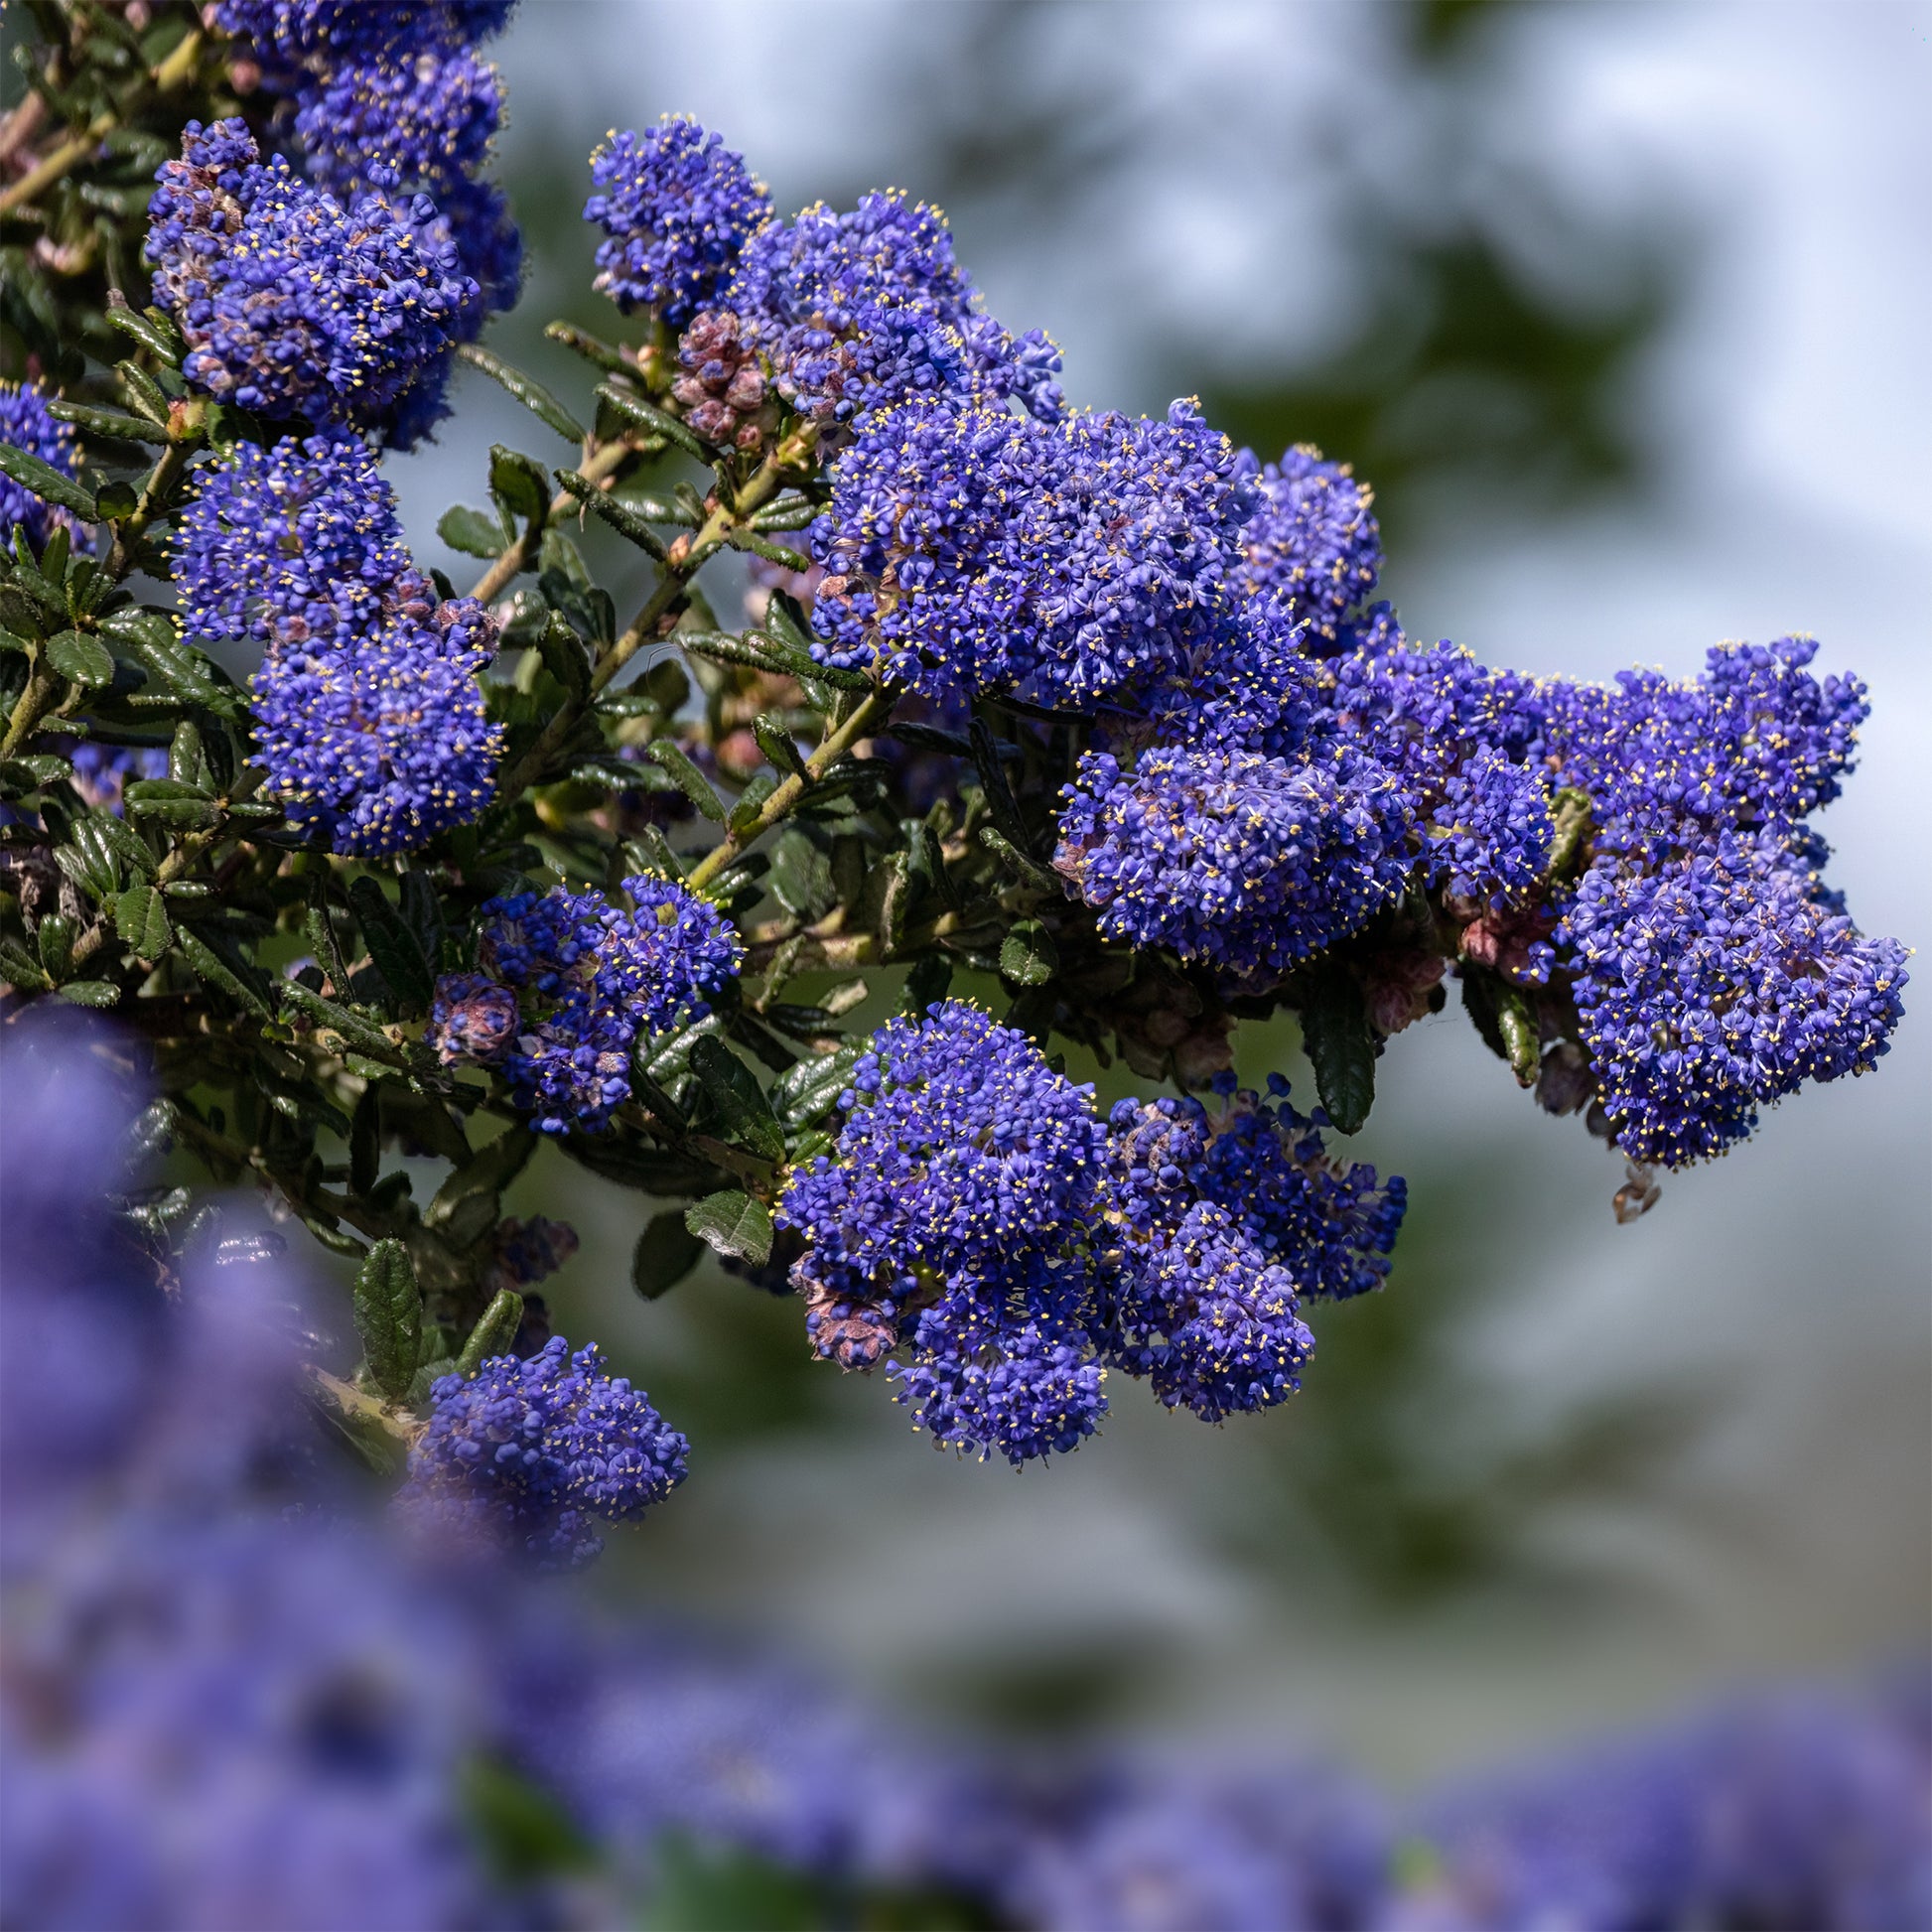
(734, 1224)
(666, 1252)
(689, 779)
(80, 659)
(141, 918)
(397, 952)
(733, 1102)
(1027, 955)
(475, 532)
(389, 1317)
(41, 479)
(1341, 1045)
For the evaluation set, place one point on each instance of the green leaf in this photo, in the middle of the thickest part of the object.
(927, 981)
(245, 984)
(801, 876)
(108, 422)
(397, 952)
(621, 516)
(171, 802)
(18, 968)
(689, 779)
(1027, 955)
(706, 1888)
(141, 919)
(90, 993)
(752, 802)
(484, 1175)
(123, 840)
(895, 903)
(562, 651)
(666, 1252)
(787, 514)
(519, 482)
(365, 1141)
(80, 659)
(53, 936)
(496, 1329)
(733, 1104)
(645, 416)
(389, 1317)
(777, 744)
(1341, 1045)
(143, 391)
(588, 346)
(809, 1090)
(475, 532)
(734, 1224)
(117, 500)
(42, 479)
(185, 762)
(529, 392)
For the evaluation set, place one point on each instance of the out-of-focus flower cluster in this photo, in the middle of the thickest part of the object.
(233, 1695)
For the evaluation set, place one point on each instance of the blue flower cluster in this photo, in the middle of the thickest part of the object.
(677, 207)
(393, 100)
(1077, 563)
(980, 1214)
(368, 717)
(967, 1182)
(295, 305)
(569, 982)
(27, 425)
(1713, 971)
(536, 1452)
(1247, 862)
(1313, 538)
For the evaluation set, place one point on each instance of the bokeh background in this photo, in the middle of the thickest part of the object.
(1622, 308)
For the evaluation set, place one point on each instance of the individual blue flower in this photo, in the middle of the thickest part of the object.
(1078, 563)
(293, 305)
(588, 978)
(27, 424)
(1313, 537)
(532, 1453)
(1715, 982)
(954, 1215)
(1246, 863)
(678, 208)
(369, 720)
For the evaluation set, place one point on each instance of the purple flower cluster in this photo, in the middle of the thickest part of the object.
(294, 305)
(369, 720)
(979, 1215)
(677, 207)
(534, 1453)
(956, 1219)
(393, 100)
(569, 982)
(26, 423)
(1247, 862)
(1077, 563)
(1715, 972)
(1312, 538)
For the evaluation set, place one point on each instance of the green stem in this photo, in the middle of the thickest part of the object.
(161, 478)
(871, 708)
(43, 688)
(519, 556)
(169, 74)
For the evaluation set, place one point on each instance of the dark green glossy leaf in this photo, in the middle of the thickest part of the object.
(79, 658)
(732, 1103)
(90, 993)
(171, 802)
(115, 500)
(562, 651)
(1027, 955)
(496, 1329)
(476, 533)
(811, 1089)
(666, 1252)
(243, 983)
(801, 876)
(519, 482)
(41, 479)
(141, 918)
(734, 1224)
(689, 779)
(108, 422)
(1341, 1045)
(628, 523)
(647, 417)
(389, 1317)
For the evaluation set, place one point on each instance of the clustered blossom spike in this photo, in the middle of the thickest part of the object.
(979, 1220)
(569, 982)
(1313, 537)
(369, 720)
(1077, 563)
(295, 305)
(677, 207)
(26, 423)
(536, 1452)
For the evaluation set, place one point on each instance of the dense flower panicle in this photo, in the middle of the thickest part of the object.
(584, 978)
(1245, 862)
(1756, 741)
(532, 1453)
(369, 719)
(1077, 563)
(300, 33)
(966, 1179)
(1314, 539)
(1488, 831)
(292, 303)
(426, 119)
(1715, 982)
(1210, 1320)
(26, 423)
(867, 299)
(678, 208)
